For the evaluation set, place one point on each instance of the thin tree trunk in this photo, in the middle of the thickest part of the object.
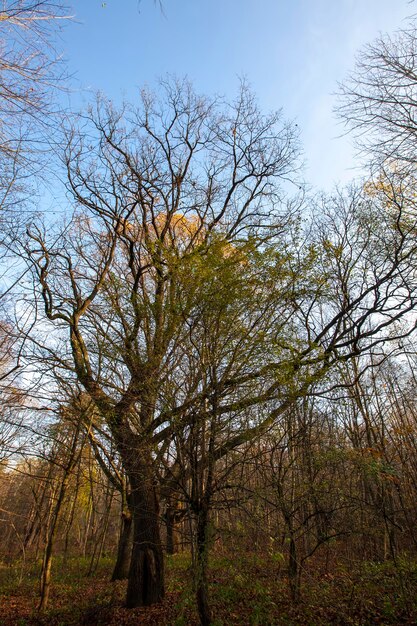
(173, 517)
(69, 524)
(204, 492)
(102, 532)
(202, 564)
(45, 581)
(293, 571)
(87, 525)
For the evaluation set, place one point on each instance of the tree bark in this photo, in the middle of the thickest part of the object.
(203, 606)
(124, 549)
(293, 571)
(172, 542)
(146, 573)
(173, 517)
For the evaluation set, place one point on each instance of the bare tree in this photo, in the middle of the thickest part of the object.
(30, 67)
(379, 100)
(158, 186)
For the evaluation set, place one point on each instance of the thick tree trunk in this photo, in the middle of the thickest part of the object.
(124, 549)
(146, 574)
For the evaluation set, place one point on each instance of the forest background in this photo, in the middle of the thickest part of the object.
(207, 365)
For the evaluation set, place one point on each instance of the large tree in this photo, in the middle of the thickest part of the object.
(155, 189)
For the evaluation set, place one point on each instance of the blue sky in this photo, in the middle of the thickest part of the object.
(292, 52)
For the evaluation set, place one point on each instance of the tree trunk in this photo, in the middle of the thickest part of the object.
(293, 571)
(124, 549)
(101, 535)
(45, 579)
(172, 543)
(173, 517)
(70, 523)
(146, 574)
(203, 606)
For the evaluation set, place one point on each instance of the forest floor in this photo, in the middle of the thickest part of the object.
(245, 591)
